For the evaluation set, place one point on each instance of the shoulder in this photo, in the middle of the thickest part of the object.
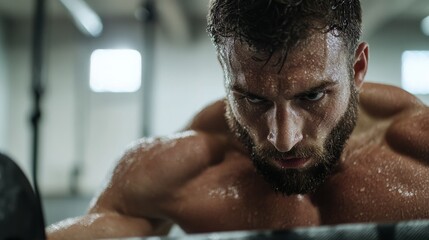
(170, 161)
(408, 117)
(184, 154)
(382, 101)
(187, 146)
(210, 119)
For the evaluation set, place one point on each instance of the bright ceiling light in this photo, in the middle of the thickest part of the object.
(115, 70)
(415, 76)
(425, 26)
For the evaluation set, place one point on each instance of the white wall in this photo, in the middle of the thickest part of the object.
(4, 89)
(187, 79)
(387, 46)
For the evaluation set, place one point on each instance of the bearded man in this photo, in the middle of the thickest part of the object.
(299, 139)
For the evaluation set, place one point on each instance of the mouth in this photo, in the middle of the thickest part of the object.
(292, 162)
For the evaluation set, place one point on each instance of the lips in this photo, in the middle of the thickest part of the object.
(292, 162)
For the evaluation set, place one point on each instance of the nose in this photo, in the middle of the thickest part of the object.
(285, 128)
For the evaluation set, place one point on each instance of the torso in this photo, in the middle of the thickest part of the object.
(375, 182)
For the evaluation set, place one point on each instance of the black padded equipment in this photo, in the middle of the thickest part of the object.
(20, 211)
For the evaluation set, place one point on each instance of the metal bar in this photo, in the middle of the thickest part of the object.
(149, 21)
(37, 87)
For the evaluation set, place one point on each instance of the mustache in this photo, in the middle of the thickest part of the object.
(304, 152)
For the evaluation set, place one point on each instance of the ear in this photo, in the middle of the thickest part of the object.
(360, 65)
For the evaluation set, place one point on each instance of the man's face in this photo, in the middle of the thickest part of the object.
(294, 122)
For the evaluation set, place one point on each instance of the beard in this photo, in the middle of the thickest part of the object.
(300, 181)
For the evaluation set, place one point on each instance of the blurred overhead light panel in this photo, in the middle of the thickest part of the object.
(415, 76)
(85, 18)
(425, 26)
(115, 70)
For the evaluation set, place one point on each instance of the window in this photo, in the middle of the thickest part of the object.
(115, 70)
(415, 71)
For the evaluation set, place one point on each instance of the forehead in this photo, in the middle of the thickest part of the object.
(319, 57)
(317, 49)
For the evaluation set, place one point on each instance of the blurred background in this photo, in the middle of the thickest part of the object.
(97, 100)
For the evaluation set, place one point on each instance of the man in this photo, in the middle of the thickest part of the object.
(304, 142)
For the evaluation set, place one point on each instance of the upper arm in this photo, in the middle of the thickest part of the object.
(143, 186)
(145, 182)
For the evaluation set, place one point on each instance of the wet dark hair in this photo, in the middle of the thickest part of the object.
(268, 26)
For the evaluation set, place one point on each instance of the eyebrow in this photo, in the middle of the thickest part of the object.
(321, 86)
(242, 90)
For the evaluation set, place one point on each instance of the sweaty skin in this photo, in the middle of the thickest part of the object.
(202, 178)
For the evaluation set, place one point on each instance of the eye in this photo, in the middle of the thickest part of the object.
(314, 96)
(254, 100)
